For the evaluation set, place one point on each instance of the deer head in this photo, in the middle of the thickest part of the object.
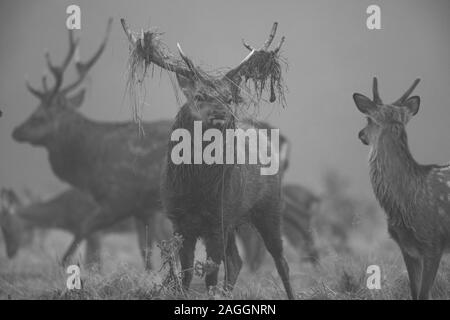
(56, 101)
(9, 224)
(209, 97)
(381, 116)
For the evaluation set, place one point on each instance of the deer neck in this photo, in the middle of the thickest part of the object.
(40, 215)
(70, 148)
(397, 179)
(200, 178)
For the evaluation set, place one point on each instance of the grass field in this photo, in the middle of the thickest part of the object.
(350, 233)
(36, 274)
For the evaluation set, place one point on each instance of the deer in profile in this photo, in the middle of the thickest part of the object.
(112, 162)
(66, 211)
(415, 197)
(210, 201)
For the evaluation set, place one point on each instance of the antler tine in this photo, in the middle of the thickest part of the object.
(249, 47)
(405, 96)
(44, 83)
(271, 36)
(58, 71)
(283, 38)
(185, 58)
(230, 74)
(189, 63)
(38, 94)
(268, 41)
(162, 60)
(376, 95)
(130, 35)
(83, 68)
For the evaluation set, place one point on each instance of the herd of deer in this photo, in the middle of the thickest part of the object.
(116, 174)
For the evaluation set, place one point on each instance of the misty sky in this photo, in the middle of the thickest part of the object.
(330, 51)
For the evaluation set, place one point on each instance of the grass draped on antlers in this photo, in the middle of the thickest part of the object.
(262, 73)
(138, 66)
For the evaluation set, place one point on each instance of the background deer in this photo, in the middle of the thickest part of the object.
(67, 211)
(118, 167)
(298, 205)
(416, 197)
(210, 201)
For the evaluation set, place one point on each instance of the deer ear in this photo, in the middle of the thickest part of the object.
(76, 101)
(364, 104)
(413, 104)
(187, 85)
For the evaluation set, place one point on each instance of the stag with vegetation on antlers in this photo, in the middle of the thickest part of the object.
(211, 201)
(112, 162)
(416, 197)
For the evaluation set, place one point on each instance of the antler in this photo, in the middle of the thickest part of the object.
(58, 71)
(148, 47)
(264, 49)
(261, 66)
(408, 92)
(376, 95)
(83, 68)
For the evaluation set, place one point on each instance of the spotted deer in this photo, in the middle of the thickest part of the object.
(210, 201)
(119, 167)
(415, 197)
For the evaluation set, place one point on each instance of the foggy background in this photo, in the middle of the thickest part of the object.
(330, 51)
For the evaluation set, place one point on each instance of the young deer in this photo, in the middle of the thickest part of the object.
(210, 201)
(416, 197)
(110, 161)
(66, 211)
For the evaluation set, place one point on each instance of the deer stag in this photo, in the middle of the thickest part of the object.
(67, 211)
(210, 201)
(414, 196)
(110, 161)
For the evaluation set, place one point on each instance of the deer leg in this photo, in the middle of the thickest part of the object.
(270, 231)
(214, 252)
(71, 250)
(145, 227)
(233, 263)
(253, 247)
(430, 268)
(186, 254)
(92, 252)
(414, 268)
(312, 254)
(101, 219)
(301, 238)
